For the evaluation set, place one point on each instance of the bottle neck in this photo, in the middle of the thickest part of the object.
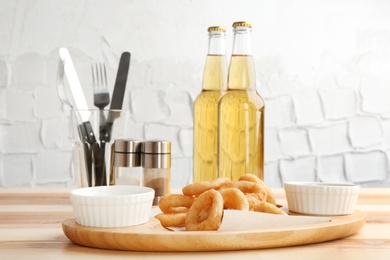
(242, 75)
(215, 70)
(216, 43)
(242, 41)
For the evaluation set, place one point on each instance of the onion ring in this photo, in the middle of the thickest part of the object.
(250, 177)
(175, 203)
(251, 187)
(195, 221)
(234, 198)
(254, 199)
(256, 204)
(203, 215)
(172, 220)
(269, 208)
(197, 188)
(253, 178)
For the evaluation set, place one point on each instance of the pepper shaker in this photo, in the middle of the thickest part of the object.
(127, 168)
(156, 163)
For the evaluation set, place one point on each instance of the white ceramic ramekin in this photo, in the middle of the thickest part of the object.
(112, 206)
(316, 198)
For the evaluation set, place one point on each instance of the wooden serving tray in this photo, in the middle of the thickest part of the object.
(151, 236)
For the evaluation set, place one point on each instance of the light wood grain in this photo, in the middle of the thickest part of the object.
(153, 237)
(31, 219)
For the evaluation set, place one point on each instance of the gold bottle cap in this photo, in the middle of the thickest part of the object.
(244, 24)
(216, 28)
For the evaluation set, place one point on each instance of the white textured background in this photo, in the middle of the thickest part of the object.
(323, 68)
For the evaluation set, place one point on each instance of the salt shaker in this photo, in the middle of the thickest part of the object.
(156, 163)
(127, 168)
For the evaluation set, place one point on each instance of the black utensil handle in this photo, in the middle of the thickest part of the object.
(120, 82)
(87, 159)
(100, 164)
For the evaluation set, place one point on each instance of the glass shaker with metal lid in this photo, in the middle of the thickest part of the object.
(127, 168)
(156, 163)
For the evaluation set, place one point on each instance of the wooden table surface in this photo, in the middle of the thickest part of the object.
(30, 228)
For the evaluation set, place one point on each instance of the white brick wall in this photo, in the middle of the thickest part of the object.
(322, 67)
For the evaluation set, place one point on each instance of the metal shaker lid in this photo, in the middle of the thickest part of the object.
(156, 147)
(127, 146)
(156, 154)
(127, 153)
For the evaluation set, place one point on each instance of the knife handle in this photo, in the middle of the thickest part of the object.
(120, 82)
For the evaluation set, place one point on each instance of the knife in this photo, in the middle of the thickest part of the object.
(120, 82)
(115, 107)
(118, 94)
(74, 83)
(85, 130)
(78, 95)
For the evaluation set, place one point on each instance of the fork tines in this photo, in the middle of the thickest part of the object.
(99, 77)
(101, 94)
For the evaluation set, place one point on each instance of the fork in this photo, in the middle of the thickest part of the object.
(101, 95)
(101, 98)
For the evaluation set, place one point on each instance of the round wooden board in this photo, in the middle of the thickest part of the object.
(152, 236)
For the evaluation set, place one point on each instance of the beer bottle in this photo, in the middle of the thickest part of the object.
(206, 107)
(241, 113)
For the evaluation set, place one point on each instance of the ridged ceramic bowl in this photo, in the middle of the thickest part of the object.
(112, 206)
(316, 198)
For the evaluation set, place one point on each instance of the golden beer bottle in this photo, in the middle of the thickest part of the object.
(206, 107)
(241, 113)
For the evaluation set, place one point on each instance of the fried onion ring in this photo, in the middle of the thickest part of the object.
(197, 188)
(253, 178)
(256, 204)
(234, 198)
(269, 208)
(203, 215)
(253, 199)
(175, 203)
(251, 187)
(172, 220)
(209, 219)
(250, 177)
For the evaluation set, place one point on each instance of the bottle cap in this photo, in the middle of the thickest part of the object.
(216, 28)
(242, 24)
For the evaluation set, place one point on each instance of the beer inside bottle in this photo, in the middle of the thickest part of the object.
(206, 108)
(241, 113)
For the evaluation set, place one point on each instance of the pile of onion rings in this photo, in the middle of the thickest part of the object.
(201, 205)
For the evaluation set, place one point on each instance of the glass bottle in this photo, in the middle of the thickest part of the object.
(241, 113)
(206, 107)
